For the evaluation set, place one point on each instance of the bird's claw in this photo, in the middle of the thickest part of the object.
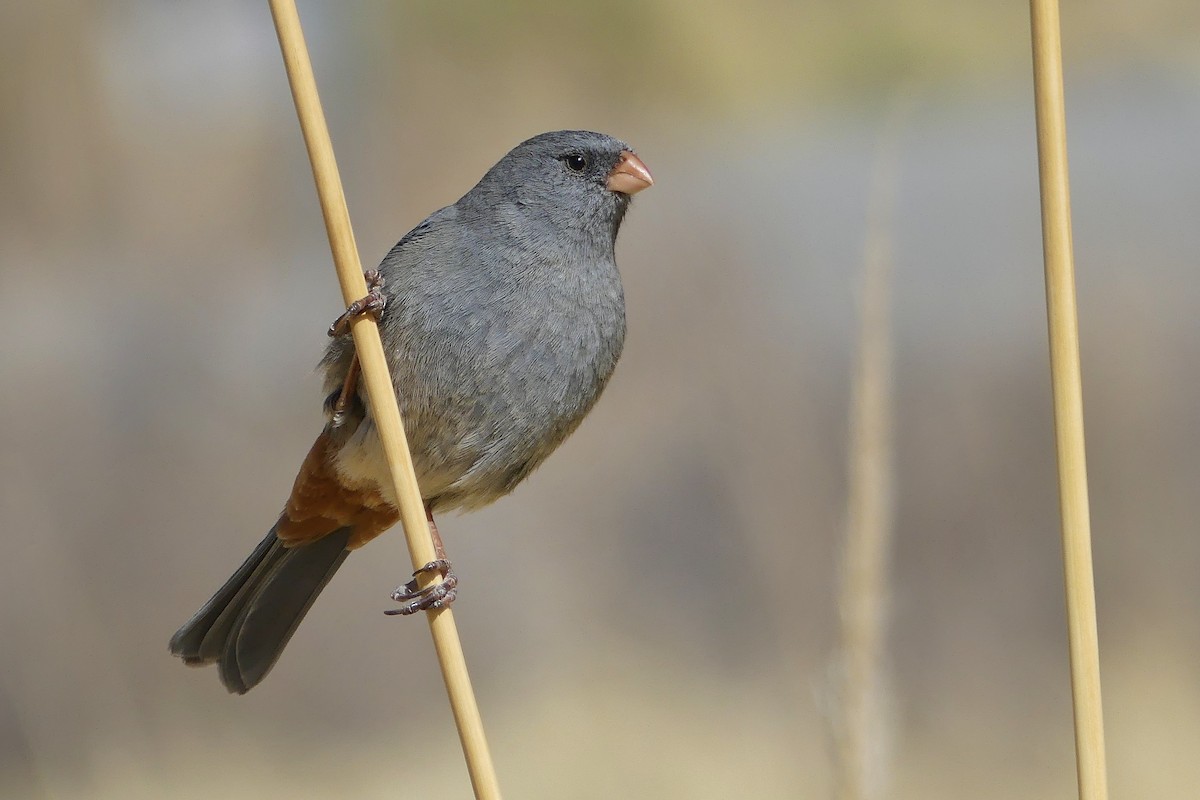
(435, 596)
(373, 303)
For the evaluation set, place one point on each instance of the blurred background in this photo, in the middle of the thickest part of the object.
(654, 613)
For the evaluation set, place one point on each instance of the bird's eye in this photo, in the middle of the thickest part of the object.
(575, 162)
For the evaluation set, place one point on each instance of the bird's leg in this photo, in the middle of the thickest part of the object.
(436, 595)
(373, 303)
(339, 405)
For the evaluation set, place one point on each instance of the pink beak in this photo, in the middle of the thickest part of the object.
(630, 175)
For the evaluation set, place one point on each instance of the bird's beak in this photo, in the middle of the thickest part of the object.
(629, 176)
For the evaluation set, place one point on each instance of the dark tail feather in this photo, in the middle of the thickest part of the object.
(247, 623)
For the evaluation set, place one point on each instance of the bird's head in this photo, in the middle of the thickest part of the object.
(576, 181)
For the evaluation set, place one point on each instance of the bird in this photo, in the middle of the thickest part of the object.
(502, 318)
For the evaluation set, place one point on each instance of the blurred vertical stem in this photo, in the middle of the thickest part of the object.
(380, 393)
(1066, 381)
(860, 724)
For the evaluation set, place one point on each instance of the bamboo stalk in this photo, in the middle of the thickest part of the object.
(380, 393)
(1063, 324)
(861, 731)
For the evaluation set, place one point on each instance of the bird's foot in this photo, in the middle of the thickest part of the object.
(436, 595)
(373, 303)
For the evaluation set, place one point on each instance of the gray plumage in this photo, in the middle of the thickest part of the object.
(244, 627)
(505, 318)
(504, 321)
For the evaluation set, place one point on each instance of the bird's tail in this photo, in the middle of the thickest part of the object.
(247, 623)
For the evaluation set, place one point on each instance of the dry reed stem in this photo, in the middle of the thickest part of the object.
(861, 733)
(1063, 326)
(382, 397)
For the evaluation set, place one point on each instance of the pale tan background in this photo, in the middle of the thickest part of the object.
(652, 614)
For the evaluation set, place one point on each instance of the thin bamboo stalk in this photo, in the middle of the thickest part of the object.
(862, 726)
(1063, 325)
(382, 397)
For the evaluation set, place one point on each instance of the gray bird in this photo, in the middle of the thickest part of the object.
(502, 317)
